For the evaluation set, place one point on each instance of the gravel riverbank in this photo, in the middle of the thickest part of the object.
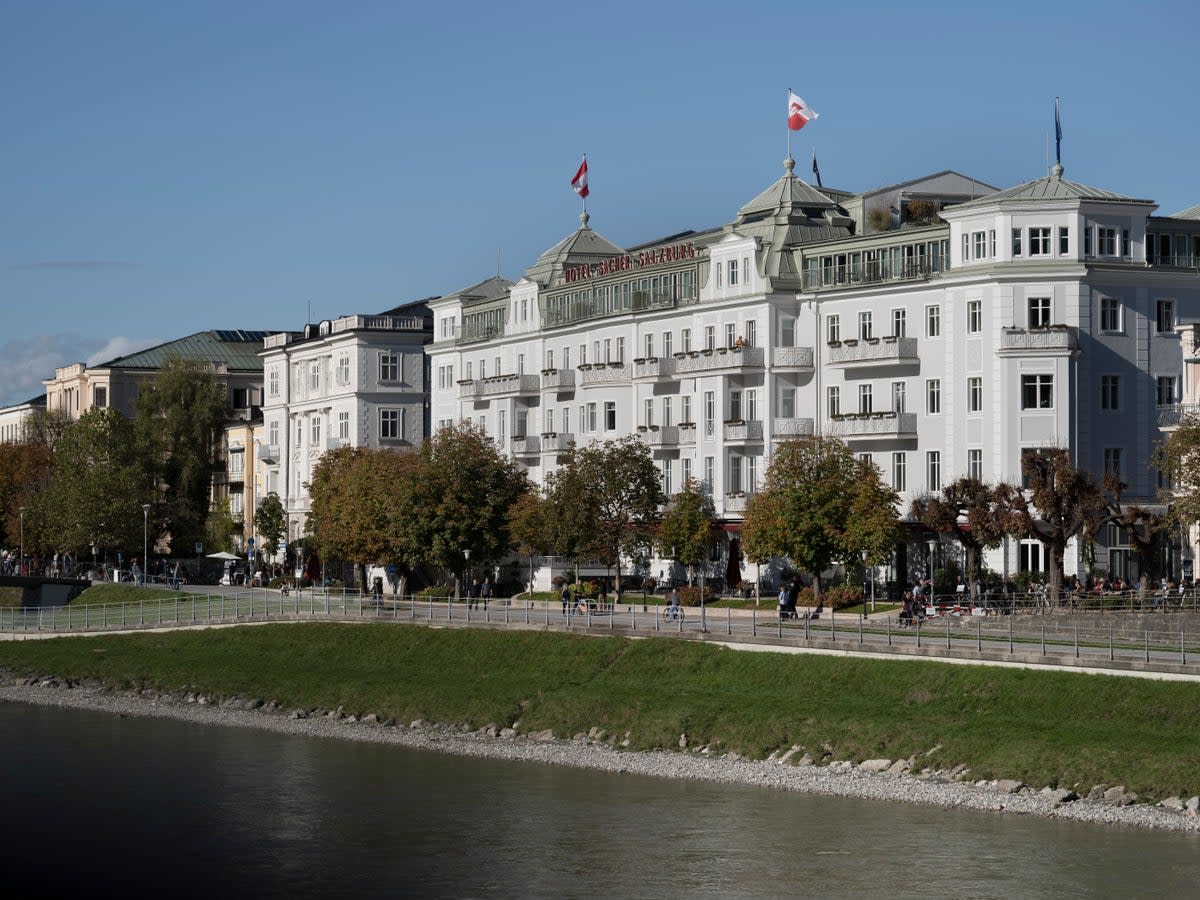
(899, 781)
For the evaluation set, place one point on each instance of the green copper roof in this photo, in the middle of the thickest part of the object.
(233, 349)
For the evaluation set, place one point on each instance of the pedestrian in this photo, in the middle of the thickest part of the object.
(783, 601)
(793, 597)
(473, 594)
(485, 591)
(674, 606)
(566, 598)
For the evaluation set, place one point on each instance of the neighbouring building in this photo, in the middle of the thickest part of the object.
(12, 418)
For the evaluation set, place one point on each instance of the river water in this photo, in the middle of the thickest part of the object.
(103, 803)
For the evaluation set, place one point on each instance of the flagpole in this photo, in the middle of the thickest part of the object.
(787, 124)
(584, 199)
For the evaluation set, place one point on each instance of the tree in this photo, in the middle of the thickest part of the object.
(219, 527)
(1178, 459)
(270, 524)
(528, 523)
(821, 505)
(605, 499)
(45, 427)
(24, 470)
(686, 530)
(179, 418)
(456, 495)
(96, 487)
(1147, 530)
(977, 515)
(1067, 502)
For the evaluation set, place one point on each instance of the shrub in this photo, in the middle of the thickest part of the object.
(842, 595)
(435, 592)
(690, 595)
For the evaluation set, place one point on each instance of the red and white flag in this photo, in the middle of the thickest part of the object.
(579, 182)
(799, 112)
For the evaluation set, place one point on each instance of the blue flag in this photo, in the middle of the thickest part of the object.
(1057, 135)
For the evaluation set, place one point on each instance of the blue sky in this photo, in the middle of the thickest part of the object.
(171, 167)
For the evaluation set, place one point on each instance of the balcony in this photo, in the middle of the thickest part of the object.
(740, 430)
(656, 436)
(500, 385)
(874, 272)
(558, 380)
(603, 373)
(1172, 415)
(791, 357)
(526, 445)
(785, 429)
(468, 389)
(553, 441)
(873, 425)
(268, 453)
(653, 367)
(1172, 260)
(873, 351)
(1052, 340)
(687, 434)
(718, 360)
(735, 502)
(337, 443)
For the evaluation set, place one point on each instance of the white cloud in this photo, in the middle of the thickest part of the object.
(120, 346)
(24, 363)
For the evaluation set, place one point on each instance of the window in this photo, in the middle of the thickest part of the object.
(237, 505)
(730, 335)
(975, 394)
(745, 270)
(751, 333)
(933, 321)
(524, 310)
(966, 247)
(1016, 242)
(666, 343)
(1165, 389)
(751, 473)
(344, 426)
(734, 484)
(620, 349)
(710, 337)
(1039, 312)
(667, 419)
(273, 434)
(389, 367)
(607, 351)
(314, 376)
(710, 412)
(974, 316)
(273, 381)
(1112, 461)
(343, 369)
(648, 412)
(933, 396)
(1037, 392)
(833, 329)
(992, 242)
(864, 398)
(1039, 241)
(735, 404)
(1106, 241)
(933, 469)
(1126, 244)
(864, 325)
(610, 415)
(787, 332)
(685, 469)
(501, 426)
(100, 395)
(1064, 241)
(1165, 316)
(685, 409)
(520, 363)
(591, 418)
(685, 340)
(389, 425)
(1110, 392)
(1087, 241)
(752, 404)
(899, 322)
(667, 485)
(237, 462)
(299, 431)
(898, 471)
(787, 403)
(898, 396)
(975, 464)
(708, 474)
(649, 340)
(733, 272)
(834, 396)
(720, 273)
(1110, 314)
(468, 370)
(979, 240)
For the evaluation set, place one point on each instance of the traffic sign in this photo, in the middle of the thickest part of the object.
(250, 542)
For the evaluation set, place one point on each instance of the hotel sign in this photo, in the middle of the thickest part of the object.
(644, 259)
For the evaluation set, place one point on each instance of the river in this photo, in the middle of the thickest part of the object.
(103, 803)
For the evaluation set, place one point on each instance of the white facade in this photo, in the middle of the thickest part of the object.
(1033, 317)
(357, 381)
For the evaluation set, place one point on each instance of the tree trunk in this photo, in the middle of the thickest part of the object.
(817, 598)
(1058, 550)
(973, 569)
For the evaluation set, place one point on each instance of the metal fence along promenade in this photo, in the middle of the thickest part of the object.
(1120, 643)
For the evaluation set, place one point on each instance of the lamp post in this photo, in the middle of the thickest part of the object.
(932, 543)
(21, 561)
(145, 541)
(466, 567)
(865, 578)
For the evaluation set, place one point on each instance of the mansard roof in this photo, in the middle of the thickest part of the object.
(581, 247)
(482, 292)
(1052, 187)
(233, 348)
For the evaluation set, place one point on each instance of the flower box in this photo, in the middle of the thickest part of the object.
(851, 342)
(584, 366)
(871, 340)
(639, 360)
(735, 422)
(549, 371)
(679, 355)
(890, 338)
(835, 343)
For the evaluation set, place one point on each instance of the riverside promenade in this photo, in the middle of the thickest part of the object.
(1138, 644)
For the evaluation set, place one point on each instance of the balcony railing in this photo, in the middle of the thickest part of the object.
(508, 384)
(1174, 260)
(335, 443)
(468, 388)
(603, 373)
(659, 436)
(744, 431)
(687, 434)
(873, 351)
(1054, 339)
(792, 357)
(526, 444)
(1171, 415)
(873, 425)
(553, 440)
(560, 311)
(654, 367)
(558, 379)
(377, 323)
(736, 501)
(873, 272)
(472, 333)
(791, 428)
(268, 453)
(718, 359)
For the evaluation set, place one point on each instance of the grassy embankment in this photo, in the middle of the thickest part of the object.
(1045, 728)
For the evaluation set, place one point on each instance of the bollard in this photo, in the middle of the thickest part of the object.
(431, 607)
(978, 637)
(1043, 640)
(1077, 640)
(1111, 657)
(918, 634)
(450, 609)
(1147, 645)
(860, 623)
(832, 624)
(657, 626)
(1182, 650)
(947, 632)
(780, 627)
(1010, 636)
(889, 630)
(753, 623)
(806, 621)
(729, 620)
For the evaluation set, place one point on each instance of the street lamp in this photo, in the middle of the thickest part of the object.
(21, 561)
(865, 578)
(932, 543)
(466, 567)
(145, 541)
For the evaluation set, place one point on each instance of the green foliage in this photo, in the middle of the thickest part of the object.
(821, 505)
(45, 427)
(689, 595)
(353, 490)
(686, 530)
(841, 596)
(879, 220)
(923, 212)
(270, 524)
(219, 528)
(1178, 458)
(179, 419)
(24, 470)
